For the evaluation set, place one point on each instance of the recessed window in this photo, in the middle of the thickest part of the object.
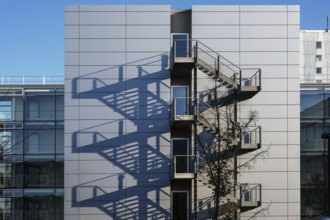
(318, 81)
(318, 70)
(5, 109)
(318, 58)
(318, 44)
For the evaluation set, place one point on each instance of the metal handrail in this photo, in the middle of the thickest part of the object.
(220, 63)
(210, 109)
(254, 135)
(202, 110)
(254, 192)
(254, 79)
(184, 163)
(189, 106)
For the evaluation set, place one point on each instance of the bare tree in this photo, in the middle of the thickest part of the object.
(315, 200)
(220, 142)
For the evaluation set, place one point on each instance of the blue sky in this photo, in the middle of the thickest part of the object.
(31, 36)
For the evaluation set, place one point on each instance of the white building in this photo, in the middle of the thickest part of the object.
(120, 82)
(314, 56)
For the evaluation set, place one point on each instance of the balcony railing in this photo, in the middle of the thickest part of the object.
(184, 166)
(250, 195)
(251, 138)
(181, 110)
(250, 78)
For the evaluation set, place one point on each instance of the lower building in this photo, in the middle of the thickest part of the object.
(31, 152)
(314, 115)
(314, 59)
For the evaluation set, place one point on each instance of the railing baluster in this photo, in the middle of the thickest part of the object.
(196, 55)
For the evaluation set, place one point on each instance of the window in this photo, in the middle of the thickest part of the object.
(180, 95)
(34, 110)
(181, 43)
(246, 138)
(33, 146)
(319, 70)
(246, 196)
(6, 142)
(318, 45)
(318, 57)
(5, 109)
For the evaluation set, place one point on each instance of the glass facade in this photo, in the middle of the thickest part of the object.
(31, 153)
(315, 121)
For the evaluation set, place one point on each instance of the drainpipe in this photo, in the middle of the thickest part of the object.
(195, 138)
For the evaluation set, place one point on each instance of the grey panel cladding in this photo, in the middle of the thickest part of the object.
(117, 100)
(265, 37)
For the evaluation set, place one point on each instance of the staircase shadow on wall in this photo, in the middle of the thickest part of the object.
(133, 142)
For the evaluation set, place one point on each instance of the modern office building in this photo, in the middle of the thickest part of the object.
(133, 75)
(314, 150)
(314, 113)
(31, 152)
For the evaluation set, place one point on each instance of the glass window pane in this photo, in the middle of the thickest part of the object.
(40, 107)
(40, 141)
(181, 44)
(5, 109)
(180, 95)
(311, 104)
(180, 147)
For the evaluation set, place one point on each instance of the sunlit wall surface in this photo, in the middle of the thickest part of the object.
(31, 152)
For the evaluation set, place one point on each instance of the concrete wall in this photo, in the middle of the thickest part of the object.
(117, 89)
(265, 37)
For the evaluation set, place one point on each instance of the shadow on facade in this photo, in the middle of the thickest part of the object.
(131, 143)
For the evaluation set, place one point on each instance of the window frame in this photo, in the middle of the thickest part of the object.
(187, 38)
(187, 89)
(318, 70)
(318, 57)
(187, 202)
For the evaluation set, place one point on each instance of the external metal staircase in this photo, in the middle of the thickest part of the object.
(241, 84)
(246, 81)
(216, 74)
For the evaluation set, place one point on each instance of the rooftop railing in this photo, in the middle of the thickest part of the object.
(31, 80)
